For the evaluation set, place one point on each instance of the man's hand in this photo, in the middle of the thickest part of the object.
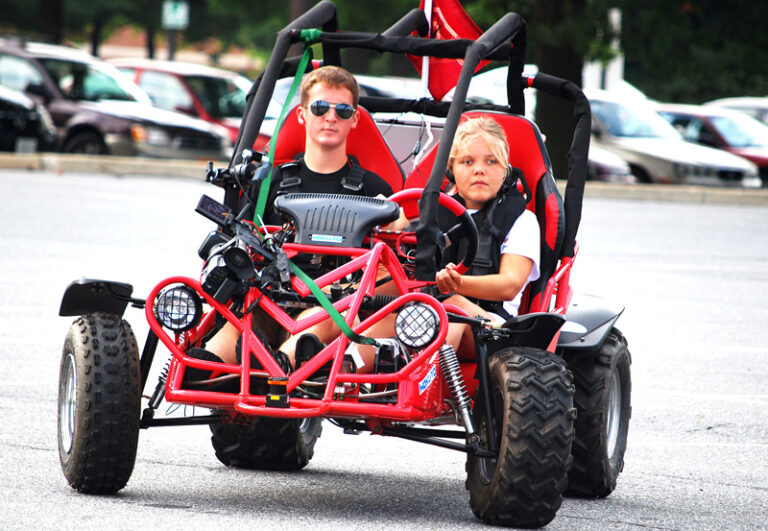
(448, 280)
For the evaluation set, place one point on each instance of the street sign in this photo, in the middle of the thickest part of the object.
(175, 15)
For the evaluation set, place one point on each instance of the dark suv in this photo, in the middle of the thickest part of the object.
(96, 109)
(25, 125)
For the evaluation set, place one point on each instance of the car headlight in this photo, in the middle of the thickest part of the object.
(178, 307)
(417, 325)
(153, 136)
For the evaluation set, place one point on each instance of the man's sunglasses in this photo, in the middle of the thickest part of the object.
(343, 110)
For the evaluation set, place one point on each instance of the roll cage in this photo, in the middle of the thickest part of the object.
(504, 41)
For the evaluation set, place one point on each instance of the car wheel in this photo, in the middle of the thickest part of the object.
(603, 392)
(88, 143)
(640, 174)
(265, 443)
(532, 408)
(99, 402)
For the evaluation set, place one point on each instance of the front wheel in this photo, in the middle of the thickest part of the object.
(603, 391)
(532, 411)
(99, 403)
(87, 143)
(265, 443)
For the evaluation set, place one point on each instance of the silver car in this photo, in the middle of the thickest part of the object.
(656, 152)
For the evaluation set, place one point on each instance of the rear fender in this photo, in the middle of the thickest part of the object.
(88, 295)
(588, 321)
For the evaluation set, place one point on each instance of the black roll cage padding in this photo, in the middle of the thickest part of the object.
(511, 27)
(505, 40)
(322, 15)
(578, 153)
(414, 20)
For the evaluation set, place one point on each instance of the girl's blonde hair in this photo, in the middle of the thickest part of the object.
(486, 128)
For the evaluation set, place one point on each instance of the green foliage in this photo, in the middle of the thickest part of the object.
(675, 50)
(695, 50)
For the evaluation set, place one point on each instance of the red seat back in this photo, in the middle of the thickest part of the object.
(528, 153)
(364, 142)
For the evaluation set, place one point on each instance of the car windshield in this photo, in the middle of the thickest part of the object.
(83, 81)
(741, 131)
(221, 97)
(625, 121)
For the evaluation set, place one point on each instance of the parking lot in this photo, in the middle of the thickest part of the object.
(691, 275)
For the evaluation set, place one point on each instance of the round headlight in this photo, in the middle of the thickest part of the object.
(178, 308)
(417, 325)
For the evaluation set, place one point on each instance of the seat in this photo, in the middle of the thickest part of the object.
(364, 142)
(528, 153)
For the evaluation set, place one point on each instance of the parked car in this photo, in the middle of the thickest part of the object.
(211, 94)
(754, 106)
(656, 152)
(721, 128)
(25, 126)
(98, 110)
(606, 166)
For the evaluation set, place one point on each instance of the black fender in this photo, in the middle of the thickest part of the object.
(589, 319)
(88, 295)
(531, 330)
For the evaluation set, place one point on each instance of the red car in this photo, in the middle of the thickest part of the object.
(211, 94)
(725, 129)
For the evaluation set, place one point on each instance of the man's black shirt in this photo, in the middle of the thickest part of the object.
(320, 183)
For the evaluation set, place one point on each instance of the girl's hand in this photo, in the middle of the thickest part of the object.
(448, 280)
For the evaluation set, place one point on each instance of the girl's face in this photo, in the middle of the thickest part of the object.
(478, 173)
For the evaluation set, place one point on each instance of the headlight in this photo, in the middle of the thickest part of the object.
(153, 136)
(178, 307)
(417, 325)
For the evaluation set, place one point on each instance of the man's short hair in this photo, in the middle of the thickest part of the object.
(332, 76)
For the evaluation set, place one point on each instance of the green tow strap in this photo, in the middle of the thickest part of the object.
(325, 303)
(261, 202)
(309, 36)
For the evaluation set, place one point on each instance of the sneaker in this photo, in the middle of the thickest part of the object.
(193, 375)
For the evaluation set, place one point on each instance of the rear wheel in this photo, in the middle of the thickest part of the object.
(532, 408)
(99, 402)
(265, 443)
(603, 392)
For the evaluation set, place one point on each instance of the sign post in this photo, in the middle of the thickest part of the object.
(175, 18)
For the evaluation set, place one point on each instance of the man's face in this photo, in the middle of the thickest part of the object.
(328, 130)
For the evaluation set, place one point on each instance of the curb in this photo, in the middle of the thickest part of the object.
(119, 166)
(58, 163)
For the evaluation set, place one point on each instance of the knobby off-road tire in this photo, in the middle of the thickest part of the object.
(99, 403)
(603, 392)
(532, 404)
(265, 443)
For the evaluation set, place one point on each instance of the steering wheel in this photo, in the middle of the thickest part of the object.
(465, 228)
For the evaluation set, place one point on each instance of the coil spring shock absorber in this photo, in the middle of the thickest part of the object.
(449, 365)
(159, 393)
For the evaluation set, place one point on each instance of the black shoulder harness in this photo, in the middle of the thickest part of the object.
(291, 182)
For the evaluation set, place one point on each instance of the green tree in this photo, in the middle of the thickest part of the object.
(695, 50)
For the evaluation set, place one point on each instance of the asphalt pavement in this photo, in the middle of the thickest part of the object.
(690, 275)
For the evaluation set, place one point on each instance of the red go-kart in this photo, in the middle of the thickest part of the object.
(541, 407)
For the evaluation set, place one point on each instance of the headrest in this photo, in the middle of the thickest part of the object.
(364, 142)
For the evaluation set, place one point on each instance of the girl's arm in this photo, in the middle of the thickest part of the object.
(504, 286)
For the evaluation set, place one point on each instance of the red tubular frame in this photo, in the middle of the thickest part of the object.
(412, 404)
(421, 389)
